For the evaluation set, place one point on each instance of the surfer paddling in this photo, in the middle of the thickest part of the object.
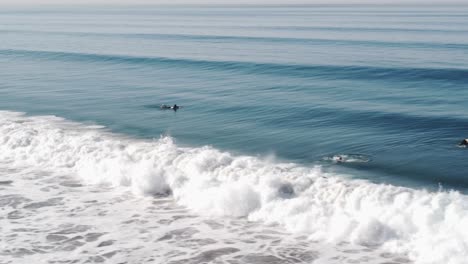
(175, 107)
(463, 143)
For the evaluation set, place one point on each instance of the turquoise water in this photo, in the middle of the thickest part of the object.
(300, 83)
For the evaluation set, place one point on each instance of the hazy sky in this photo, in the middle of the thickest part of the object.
(131, 2)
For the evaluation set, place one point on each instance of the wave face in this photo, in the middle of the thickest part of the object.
(386, 82)
(428, 226)
(353, 101)
(305, 71)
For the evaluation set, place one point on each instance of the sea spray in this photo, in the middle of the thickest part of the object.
(428, 226)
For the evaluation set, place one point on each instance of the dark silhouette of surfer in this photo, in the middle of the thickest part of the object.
(464, 143)
(175, 107)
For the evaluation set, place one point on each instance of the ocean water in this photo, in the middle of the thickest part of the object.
(307, 134)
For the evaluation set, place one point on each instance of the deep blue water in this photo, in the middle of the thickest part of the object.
(301, 83)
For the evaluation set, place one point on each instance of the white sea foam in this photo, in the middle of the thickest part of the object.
(428, 226)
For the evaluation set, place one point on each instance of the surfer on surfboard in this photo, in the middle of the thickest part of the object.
(463, 143)
(175, 107)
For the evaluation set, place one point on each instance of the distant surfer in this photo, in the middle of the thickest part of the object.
(175, 107)
(338, 158)
(349, 158)
(464, 143)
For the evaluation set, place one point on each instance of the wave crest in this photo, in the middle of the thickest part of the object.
(322, 206)
(305, 71)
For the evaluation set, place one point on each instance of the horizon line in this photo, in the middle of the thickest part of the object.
(208, 4)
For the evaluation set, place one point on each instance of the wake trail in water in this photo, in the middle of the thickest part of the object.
(323, 206)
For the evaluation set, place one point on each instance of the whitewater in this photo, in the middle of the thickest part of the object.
(308, 134)
(71, 190)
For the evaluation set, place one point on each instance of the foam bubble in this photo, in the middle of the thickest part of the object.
(429, 226)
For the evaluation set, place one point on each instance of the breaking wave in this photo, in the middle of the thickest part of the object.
(428, 226)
